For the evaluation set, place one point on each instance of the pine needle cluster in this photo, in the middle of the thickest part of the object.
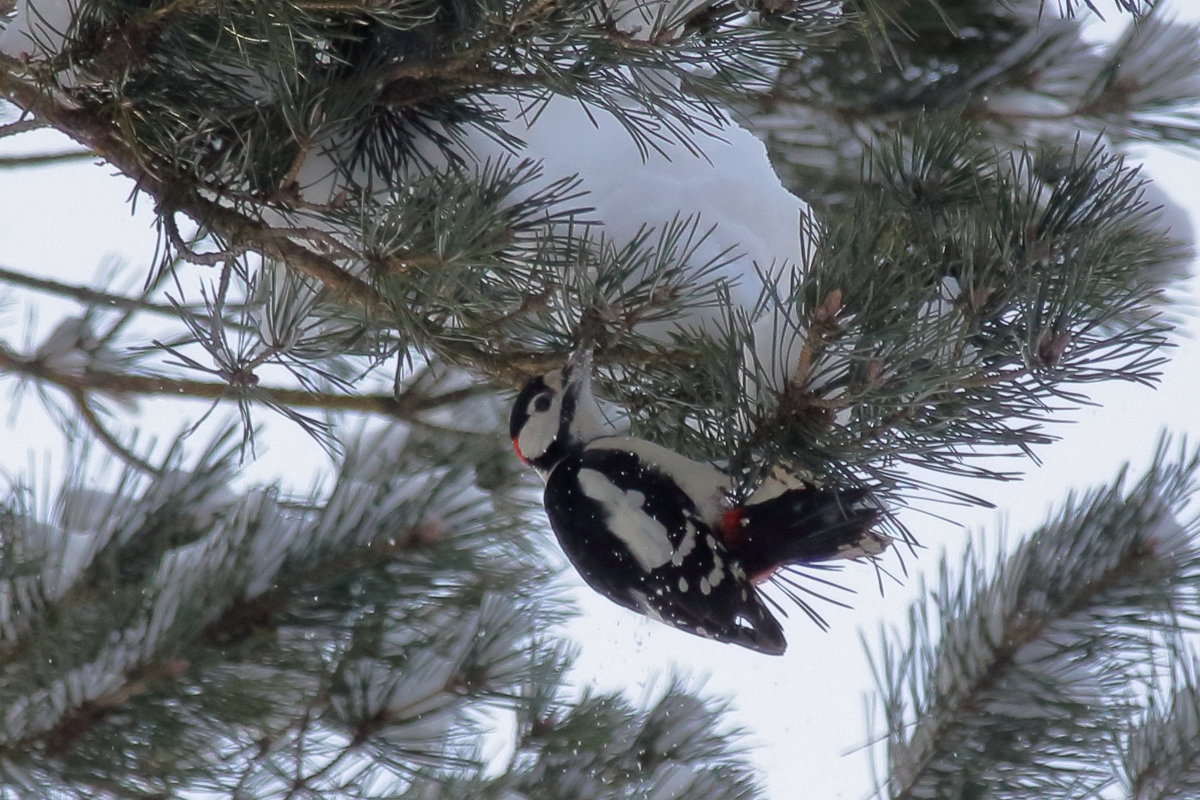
(354, 234)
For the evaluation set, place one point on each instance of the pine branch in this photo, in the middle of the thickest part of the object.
(244, 623)
(256, 583)
(928, 360)
(107, 438)
(43, 159)
(241, 231)
(1038, 654)
(21, 126)
(651, 753)
(319, 648)
(1159, 754)
(1017, 76)
(404, 407)
(88, 295)
(1148, 88)
(176, 193)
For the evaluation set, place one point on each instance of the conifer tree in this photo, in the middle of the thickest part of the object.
(377, 219)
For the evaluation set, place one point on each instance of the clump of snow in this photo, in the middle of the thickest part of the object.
(731, 186)
(755, 229)
(728, 186)
(66, 348)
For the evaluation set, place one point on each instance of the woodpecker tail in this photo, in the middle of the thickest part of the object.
(801, 526)
(756, 629)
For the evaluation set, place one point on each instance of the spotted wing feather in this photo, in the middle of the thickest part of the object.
(637, 538)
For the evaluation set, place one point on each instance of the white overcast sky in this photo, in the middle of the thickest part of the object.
(804, 711)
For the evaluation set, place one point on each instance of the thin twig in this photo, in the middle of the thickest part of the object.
(404, 406)
(326, 239)
(22, 125)
(176, 193)
(92, 297)
(210, 259)
(44, 159)
(107, 438)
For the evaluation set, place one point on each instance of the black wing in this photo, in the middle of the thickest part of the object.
(637, 538)
(805, 526)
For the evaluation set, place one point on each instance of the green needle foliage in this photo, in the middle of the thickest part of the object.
(174, 635)
(1013, 679)
(967, 277)
(1157, 751)
(355, 234)
(1012, 71)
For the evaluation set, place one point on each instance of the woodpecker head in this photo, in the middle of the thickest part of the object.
(555, 414)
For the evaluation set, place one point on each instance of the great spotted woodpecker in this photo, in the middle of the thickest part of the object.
(657, 532)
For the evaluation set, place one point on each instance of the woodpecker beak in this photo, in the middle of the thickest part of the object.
(577, 374)
(585, 418)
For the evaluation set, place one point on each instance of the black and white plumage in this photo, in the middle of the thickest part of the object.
(655, 531)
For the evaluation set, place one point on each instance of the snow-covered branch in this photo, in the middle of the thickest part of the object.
(1042, 652)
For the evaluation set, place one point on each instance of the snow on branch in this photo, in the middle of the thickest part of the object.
(368, 634)
(1018, 675)
(1159, 758)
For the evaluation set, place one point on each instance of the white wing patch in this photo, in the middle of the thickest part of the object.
(645, 536)
(704, 483)
(687, 545)
(643, 602)
(868, 545)
(718, 570)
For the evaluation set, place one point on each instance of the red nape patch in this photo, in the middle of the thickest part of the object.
(733, 528)
(517, 450)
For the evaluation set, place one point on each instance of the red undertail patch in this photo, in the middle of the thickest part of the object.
(733, 526)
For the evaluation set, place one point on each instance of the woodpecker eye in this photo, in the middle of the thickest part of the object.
(541, 402)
